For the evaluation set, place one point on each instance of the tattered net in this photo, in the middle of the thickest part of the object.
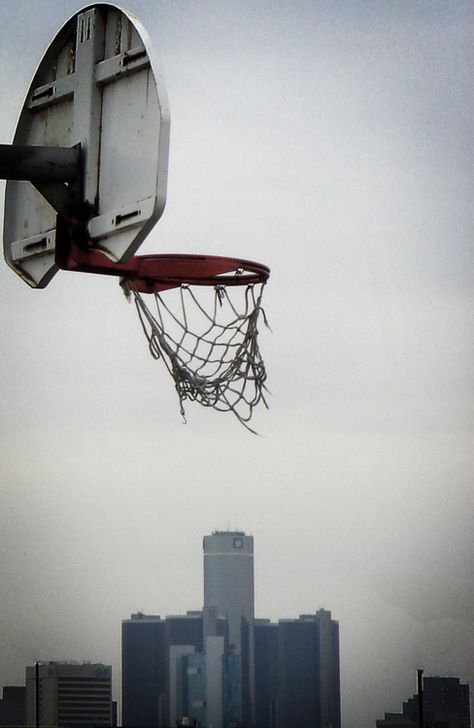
(208, 339)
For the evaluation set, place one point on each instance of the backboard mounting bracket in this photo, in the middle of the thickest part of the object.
(56, 172)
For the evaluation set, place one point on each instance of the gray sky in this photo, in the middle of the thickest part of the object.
(332, 141)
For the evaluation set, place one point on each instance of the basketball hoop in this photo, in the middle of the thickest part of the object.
(206, 330)
(84, 190)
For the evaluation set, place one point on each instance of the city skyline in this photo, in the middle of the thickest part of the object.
(333, 142)
(284, 669)
(222, 667)
(445, 699)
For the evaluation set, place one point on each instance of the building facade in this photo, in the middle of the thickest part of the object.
(146, 644)
(229, 587)
(297, 672)
(71, 695)
(12, 706)
(446, 699)
(210, 686)
(194, 688)
(179, 666)
(266, 673)
(446, 704)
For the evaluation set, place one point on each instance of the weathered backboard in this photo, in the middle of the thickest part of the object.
(98, 85)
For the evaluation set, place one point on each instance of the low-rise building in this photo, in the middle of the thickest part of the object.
(71, 695)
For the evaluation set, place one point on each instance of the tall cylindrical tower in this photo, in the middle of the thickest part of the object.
(229, 586)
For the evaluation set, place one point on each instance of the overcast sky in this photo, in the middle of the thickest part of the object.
(332, 141)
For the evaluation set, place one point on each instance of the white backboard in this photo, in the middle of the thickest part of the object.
(98, 85)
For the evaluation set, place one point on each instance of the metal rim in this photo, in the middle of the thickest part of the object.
(158, 272)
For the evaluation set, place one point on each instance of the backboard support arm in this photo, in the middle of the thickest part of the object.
(56, 172)
(152, 273)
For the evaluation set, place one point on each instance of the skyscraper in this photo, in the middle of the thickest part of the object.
(266, 673)
(297, 672)
(229, 586)
(147, 643)
(222, 667)
(229, 579)
(178, 666)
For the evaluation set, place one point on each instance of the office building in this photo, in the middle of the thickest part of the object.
(12, 706)
(146, 643)
(229, 586)
(194, 688)
(231, 708)
(445, 705)
(211, 686)
(446, 699)
(297, 672)
(222, 667)
(229, 578)
(177, 666)
(71, 695)
(266, 673)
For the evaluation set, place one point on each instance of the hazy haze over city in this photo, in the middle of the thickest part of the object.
(332, 141)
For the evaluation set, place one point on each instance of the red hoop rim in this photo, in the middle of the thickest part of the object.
(159, 272)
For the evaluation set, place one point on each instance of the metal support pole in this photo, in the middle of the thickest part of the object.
(420, 697)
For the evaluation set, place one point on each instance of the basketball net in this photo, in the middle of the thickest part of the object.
(208, 340)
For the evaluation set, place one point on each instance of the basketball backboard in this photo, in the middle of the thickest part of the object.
(97, 86)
